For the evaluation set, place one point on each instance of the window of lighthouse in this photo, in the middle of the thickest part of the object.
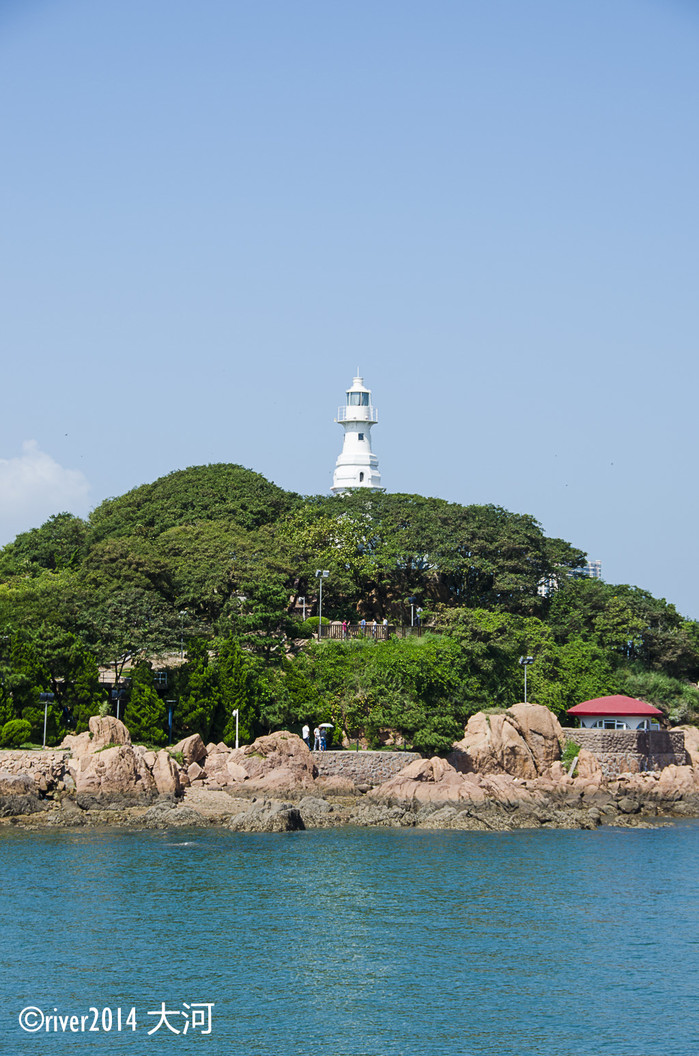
(361, 477)
(358, 399)
(360, 436)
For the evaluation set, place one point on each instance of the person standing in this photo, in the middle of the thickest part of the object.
(385, 627)
(306, 734)
(344, 628)
(323, 735)
(316, 740)
(373, 628)
(362, 624)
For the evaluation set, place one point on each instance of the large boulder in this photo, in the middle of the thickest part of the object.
(493, 745)
(166, 774)
(114, 777)
(193, 749)
(422, 781)
(523, 741)
(691, 743)
(278, 761)
(268, 817)
(221, 768)
(541, 731)
(18, 795)
(104, 731)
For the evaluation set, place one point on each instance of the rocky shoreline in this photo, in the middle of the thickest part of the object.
(505, 774)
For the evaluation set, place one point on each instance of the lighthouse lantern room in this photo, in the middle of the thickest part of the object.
(356, 466)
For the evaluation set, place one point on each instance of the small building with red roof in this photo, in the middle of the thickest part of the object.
(616, 713)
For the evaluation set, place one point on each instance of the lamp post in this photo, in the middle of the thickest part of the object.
(170, 709)
(182, 615)
(45, 698)
(321, 574)
(118, 694)
(235, 712)
(412, 610)
(525, 661)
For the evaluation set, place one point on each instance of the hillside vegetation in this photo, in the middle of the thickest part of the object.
(212, 559)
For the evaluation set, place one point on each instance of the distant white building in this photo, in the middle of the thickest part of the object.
(593, 569)
(357, 466)
(549, 584)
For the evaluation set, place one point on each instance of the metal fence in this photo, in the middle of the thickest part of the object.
(375, 631)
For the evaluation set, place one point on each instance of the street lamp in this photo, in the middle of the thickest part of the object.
(170, 709)
(183, 613)
(412, 610)
(525, 661)
(321, 574)
(118, 694)
(235, 712)
(45, 698)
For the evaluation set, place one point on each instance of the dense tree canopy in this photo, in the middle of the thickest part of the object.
(217, 557)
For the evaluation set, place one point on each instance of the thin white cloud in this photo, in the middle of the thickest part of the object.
(34, 486)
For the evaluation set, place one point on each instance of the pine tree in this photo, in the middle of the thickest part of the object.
(145, 713)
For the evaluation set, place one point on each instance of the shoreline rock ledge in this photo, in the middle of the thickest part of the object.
(504, 773)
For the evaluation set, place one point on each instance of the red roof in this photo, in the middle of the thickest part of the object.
(616, 705)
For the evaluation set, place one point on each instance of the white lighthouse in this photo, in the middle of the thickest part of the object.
(356, 466)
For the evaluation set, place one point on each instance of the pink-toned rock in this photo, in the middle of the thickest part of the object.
(195, 772)
(236, 772)
(541, 732)
(104, 730)
(675, 782)
(423, 781)
(557, 772)
(281, 779)
(114, 774)
(691, 743)
(193, 749)
(435, 782)
(588, 765)
(493, 745)
(166, 774)
(221, 768)
(524, 742)
(281, 751)
(107, 730)
(78, 744)
(336, 786)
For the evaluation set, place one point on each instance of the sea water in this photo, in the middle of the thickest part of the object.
(350, 942)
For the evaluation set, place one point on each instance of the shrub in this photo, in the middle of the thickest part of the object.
(15, 732)
(311, 624)
(570, 752)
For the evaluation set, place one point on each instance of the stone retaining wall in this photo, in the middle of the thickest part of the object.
(364, 768)
(631, 751)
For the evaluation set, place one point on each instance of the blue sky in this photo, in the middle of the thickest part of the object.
(213, 212)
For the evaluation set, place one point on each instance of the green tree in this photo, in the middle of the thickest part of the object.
(145, 714)
(197, 688)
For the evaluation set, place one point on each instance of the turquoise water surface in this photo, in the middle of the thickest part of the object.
(353, 942)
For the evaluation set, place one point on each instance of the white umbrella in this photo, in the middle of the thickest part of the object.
(326, 726)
